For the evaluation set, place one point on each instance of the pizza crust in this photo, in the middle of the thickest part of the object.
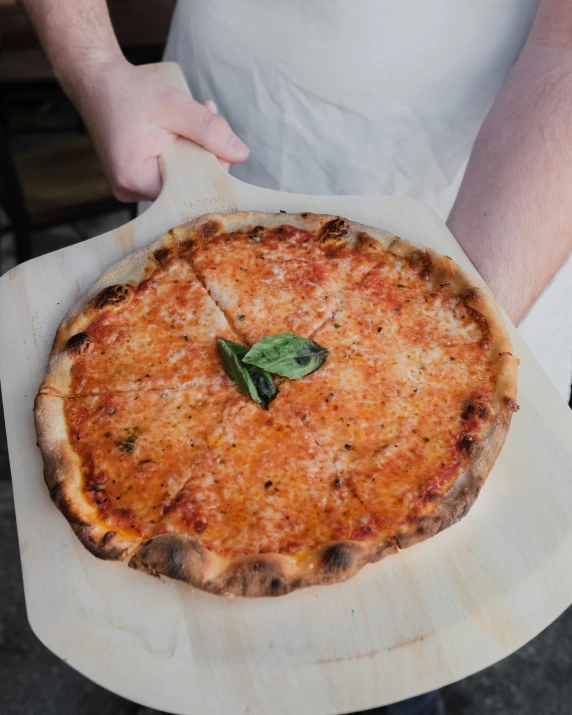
(63, 477)
(112, 291)
(180, 557)
(465, 490)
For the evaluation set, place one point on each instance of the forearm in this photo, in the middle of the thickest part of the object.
(513, 215)
(132, 114)
(77, 37)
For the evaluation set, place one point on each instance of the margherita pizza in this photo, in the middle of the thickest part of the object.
(262, 402)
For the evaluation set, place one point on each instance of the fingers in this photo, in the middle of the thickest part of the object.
(132, 166)
(200, 124)
(211, 106)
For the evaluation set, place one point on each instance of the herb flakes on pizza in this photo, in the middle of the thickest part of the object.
(262, 402)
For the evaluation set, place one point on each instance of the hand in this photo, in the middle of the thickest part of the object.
(133, 115)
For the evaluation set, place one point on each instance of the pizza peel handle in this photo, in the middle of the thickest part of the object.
(194, 182)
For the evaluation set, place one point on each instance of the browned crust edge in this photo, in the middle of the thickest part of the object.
(112, 291)
(180, 557)
(63, 477)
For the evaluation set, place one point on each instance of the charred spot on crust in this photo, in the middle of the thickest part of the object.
(110, 296)
(167, 556)
(209, 229)
(81, 529)
(429, 526)
(60, 499)
(479, 318)
(256, 234)
(337, 557)
(175, 561)
(470, 294)
(186, 246)
(464, 511)
(483, 412)
(162, 255)
(472, 409)
(365, 241)
(510, 403)
(334, 231)
(107, 537)
(263, 567)
(466, 444)
(421, 262)
(276, 585)
(468, 410)
(256, 578)
(55, 491)
(79, 344)
(200, 525)
(171, 555)
(304, 215)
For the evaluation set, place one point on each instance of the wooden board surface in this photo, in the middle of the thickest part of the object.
(416, 621)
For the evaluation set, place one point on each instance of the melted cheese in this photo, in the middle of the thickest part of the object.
(278, 281)
(138, 449)
(357, 450)
(265, 487)
(165, 338)
(406, 379)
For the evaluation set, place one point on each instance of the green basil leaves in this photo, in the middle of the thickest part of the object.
(284, 354)
(257, 383)
(287, 354)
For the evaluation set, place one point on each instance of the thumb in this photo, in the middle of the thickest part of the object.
(196, 122)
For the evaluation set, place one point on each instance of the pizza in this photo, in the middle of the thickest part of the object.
(258, 403)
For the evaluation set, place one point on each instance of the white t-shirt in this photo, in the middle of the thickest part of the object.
(365, 97)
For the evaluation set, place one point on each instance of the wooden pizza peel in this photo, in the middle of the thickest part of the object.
(419, 620)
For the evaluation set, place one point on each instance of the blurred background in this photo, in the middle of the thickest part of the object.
(53, 194)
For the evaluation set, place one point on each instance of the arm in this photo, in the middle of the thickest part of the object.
(132, 114)
(513, 214)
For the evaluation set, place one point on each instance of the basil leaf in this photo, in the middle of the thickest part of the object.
(257, 383)
(287, 354)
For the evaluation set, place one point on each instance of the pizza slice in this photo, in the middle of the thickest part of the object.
(409, 362)
(273, 278)
(261, 511)
(157, 331)
(126, 455)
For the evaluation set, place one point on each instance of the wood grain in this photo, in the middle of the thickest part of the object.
(416, 621)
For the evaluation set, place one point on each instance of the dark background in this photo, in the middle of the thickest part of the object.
(52, 194)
